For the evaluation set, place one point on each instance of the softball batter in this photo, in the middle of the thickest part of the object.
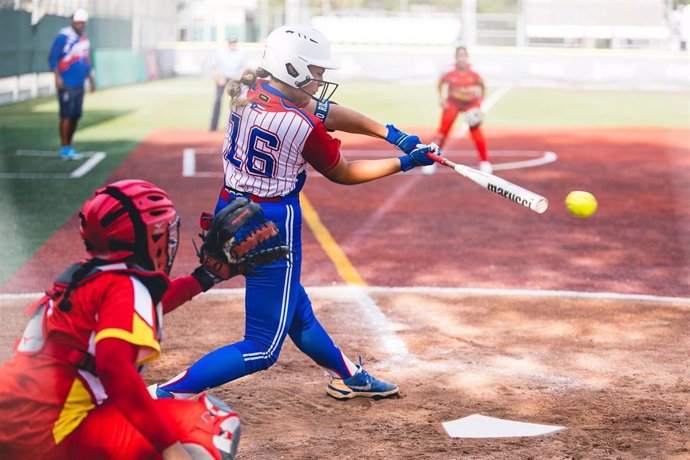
(275, 130)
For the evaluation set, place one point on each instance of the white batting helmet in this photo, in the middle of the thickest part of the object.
(291, 49)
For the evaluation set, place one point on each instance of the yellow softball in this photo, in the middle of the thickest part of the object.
(581, 204)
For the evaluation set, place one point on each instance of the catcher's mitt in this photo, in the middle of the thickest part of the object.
(238, 239)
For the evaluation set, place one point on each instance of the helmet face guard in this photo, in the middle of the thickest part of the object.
(325, 93)
(173, 243)
(131, 219)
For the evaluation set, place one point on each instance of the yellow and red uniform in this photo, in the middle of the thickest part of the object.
(54, 402)
(464, 92)
(464, 87)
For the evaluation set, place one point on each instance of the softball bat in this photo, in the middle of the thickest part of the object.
(495, 184)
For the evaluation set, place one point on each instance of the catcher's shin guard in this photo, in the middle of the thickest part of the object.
(216, 434)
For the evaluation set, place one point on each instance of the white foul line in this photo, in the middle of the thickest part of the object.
(36, 153)
(548, 157)
(93, 159)
(375, 318)
(503, 292)
(495, 96)
(393, 345)
(88, 165)
(342, 292)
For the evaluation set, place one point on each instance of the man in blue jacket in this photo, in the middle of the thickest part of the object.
(70, 62)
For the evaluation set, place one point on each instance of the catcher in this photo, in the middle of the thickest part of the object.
(73, 389)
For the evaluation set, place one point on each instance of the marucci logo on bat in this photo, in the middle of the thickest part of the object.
(500, 187)
(507, 194)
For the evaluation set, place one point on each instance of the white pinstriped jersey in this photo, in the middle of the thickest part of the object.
(269, 142)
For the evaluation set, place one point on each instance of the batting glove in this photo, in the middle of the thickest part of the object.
(418, 157)
(405, 142)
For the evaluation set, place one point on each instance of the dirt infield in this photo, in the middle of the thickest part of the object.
(612, 368)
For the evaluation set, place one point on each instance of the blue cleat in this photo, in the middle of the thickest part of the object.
(68, 153)
(163, 394)
(361, 384)
(157, 392)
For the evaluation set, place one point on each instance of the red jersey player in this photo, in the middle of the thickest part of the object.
(464, 92)
(73, 389)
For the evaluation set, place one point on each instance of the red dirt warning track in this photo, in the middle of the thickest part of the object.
(442, 230)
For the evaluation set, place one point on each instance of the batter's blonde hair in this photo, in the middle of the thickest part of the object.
(248, 78)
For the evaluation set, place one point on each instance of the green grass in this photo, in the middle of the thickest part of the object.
(553, 107)
(117, 119)
(416, 105)
(402, 105)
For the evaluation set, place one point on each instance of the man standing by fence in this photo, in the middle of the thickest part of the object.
(70, 62)
(227, 65)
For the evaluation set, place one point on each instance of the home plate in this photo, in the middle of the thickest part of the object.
(481, 426)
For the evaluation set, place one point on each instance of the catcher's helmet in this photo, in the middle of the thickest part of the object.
(131, 219)
(289, 52)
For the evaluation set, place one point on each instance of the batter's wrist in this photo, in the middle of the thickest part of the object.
(406, 163)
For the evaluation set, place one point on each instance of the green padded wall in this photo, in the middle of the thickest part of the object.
(24, 48)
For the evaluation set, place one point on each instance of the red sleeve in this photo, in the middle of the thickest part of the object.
(181, 290)
(477, 77)
(445, 76)
(321, 150)
(125, 388)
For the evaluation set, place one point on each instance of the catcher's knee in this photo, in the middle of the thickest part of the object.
(215, 431)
